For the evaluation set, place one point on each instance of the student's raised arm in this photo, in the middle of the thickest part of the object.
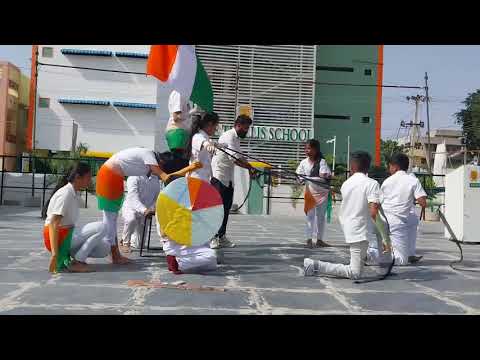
(192, 167)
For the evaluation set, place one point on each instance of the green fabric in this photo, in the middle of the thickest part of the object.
(202, 93)
(176, 139)
(110, 205)
(382, 228)
(329, 208)
(63, 257)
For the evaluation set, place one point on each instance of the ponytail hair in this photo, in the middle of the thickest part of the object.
(78, 169)
(200, 122)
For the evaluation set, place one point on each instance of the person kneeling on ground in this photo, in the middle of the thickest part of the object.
(400, 191)
(62, 238)
(360, 199)
(180, 258)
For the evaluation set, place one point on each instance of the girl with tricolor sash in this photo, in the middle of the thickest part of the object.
(316, 197)
(110, 187)
(71, 246)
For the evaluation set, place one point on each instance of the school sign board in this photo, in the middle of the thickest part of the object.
(272, 133)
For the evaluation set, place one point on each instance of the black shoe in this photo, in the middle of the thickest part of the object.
(414, 259)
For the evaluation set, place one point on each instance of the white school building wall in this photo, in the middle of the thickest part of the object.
(283, 117)
(112, 111)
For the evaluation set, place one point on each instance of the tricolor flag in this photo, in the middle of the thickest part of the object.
(179, 67)
(316, 195)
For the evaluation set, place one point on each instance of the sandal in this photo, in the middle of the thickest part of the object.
(309, 244)
(321, 244)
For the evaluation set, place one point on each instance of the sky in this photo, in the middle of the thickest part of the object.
(453, 72)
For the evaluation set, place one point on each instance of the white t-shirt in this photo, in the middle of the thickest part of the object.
(142, 193)
(399, 194)
(357, 192)
(177, 102)
(65, 203)
(135, 161)
(223, 166)
(200, 154)
(305, 167)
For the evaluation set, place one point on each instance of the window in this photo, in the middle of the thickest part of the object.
(44, 102)
(366, 120)
(332, 117)
(368, 72)
(335, 68)
(47, 52)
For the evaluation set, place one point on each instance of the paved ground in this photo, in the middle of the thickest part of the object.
(263, 275)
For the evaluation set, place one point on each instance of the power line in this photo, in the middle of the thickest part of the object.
(93, 69)
(242, 77)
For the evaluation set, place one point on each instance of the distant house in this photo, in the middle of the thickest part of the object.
(451, 138)
(14, 90)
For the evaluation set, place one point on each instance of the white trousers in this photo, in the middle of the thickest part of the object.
(375, 255)
(90, 241)
(110, 222)
(401, 244)
(401, 236)
(315, 228)
(132, 228)
(412, 238)
(191, 259)
(358, 252)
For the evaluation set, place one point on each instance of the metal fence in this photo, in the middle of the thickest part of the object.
(46, 166)
(269, 183)
(58, 166)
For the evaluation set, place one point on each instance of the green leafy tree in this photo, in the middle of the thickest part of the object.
(62, 161)
(296, 189)
(469, 119)
(387, 149)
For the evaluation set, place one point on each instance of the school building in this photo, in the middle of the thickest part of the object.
(296, 92)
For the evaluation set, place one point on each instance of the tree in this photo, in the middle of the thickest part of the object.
(297, 189)
(387, 149)
(469, 119)
(61, 162)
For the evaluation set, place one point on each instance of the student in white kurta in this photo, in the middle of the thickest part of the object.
(400, 191)
(315, 166)
(414, 221)
(69, 243)
(360, 199)
(142, 193)
(110, 186)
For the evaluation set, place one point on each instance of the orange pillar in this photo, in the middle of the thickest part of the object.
(31, 103)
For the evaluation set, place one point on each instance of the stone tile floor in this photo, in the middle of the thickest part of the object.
(262, 275)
